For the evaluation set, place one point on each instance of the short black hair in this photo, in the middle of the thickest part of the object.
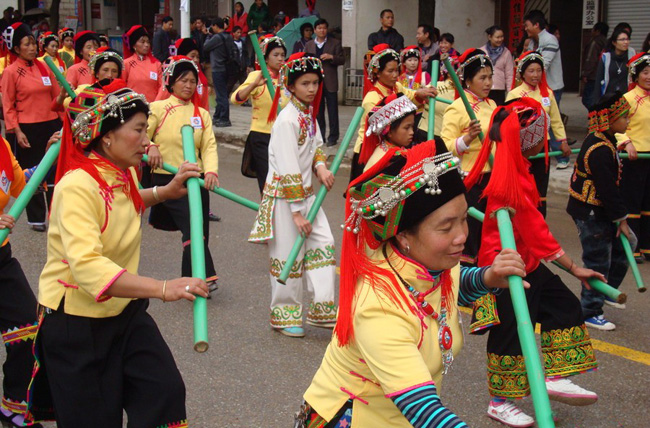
(321, 21)
(493, 29)
(449, 37)
(536, 16)
(218, 22)
(427, 29)
(166, 19)
(236, 28)
(306, 26)
(381, 14)
(624, 26)
(602, 28)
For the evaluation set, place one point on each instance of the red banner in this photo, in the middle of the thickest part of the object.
(516, 23)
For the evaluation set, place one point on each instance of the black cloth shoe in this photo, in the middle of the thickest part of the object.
(222, 124)
(213, 217)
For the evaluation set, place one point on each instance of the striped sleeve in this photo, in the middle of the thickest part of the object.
(472, 286)
(422, 408)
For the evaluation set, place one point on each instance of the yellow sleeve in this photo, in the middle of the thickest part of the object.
(80, 217)
(410, 94)
(453, 123)
(208, 149)
(250, 79)
(512, 95)
(153, 121)
(556, 121)
(392, 355)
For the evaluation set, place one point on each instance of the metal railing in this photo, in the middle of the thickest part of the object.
(353, 94)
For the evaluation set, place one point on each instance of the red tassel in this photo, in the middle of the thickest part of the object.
(368, 145)
(273, 113)
(5, 160)
(316, 103)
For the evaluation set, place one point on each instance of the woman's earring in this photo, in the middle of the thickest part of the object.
(407, 249)
(108, 144)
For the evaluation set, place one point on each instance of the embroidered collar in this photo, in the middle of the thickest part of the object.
(302, 107)
(180, 100)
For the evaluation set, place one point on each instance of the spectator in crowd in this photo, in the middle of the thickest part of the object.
(310, 10)
(162, 39)
(330, 52)
(239, 76)
(280, 20)
(428, 43)
(624, 26)
(104, 41)
(217, 45)
(503, 64)
(307, 32)
(549, 47)
(386, 34)
(645, 47)
(446, 47)
(239, 19)
(7, 18)
(198, 34)
(590, 63)
(258, 14)
(611, 74)
(554, 30)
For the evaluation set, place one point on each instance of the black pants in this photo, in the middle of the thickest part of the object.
(174, 215)
(475, 227)
(498, 96)
(18, 329)
(235, 79)
(541, 174)
(37, 134)
(257, 153)
(98, 367)
(329, 100)
(566, 346)
(356, 169)
(635, 187)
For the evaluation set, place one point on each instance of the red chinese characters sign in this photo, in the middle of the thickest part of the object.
(516, 23)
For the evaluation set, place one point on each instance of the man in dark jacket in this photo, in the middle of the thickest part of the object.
(199, 34)
(330, 52)
(386, 34)
(218, 47)
(590, 64)
(162, 39)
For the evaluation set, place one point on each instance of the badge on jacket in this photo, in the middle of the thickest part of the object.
(153, 75)
(546, 101)
(46, 80)
(5, 184)
(196, 122)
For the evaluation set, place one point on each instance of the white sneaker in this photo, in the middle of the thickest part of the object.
(509, 414)
(567, 392)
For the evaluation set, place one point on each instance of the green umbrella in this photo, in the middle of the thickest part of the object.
(290, 33)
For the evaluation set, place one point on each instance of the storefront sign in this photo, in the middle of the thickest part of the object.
(589, 13)
(516, 23)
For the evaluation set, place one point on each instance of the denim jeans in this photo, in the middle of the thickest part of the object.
(222, 110)
(601, 251)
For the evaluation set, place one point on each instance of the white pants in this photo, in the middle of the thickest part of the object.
(316, 262)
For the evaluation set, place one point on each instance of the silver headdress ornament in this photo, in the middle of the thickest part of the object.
(380, 203)
(383, 117)
(530, 56)
(373, 65)
(632, 66)
(485, 61)
(106, 54)
(110, 106)
(168, 71)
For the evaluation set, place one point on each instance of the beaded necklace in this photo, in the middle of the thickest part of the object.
(445, 336)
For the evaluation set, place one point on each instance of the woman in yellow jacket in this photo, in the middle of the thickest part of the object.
(48, 45)
(461, 135)
(530, 69)
(255, 160)
(165, 122)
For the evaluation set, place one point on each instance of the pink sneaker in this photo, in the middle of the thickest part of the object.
(567, 392)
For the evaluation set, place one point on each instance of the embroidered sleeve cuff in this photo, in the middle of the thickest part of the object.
(461, 147)
(99, 298)
(554, 256)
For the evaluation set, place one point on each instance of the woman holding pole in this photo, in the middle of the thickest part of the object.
(635, 180)
(98, 351)
(398, 329)
(295, 159)
(518, 130)
(18, 322)
(28, 88)
(255, 160)
(48, 45)
(530, 69)
(85, 45)
(165, 123)
(383, 72)
(461, 134)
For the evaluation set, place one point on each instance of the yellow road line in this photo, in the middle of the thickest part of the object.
(606, 347)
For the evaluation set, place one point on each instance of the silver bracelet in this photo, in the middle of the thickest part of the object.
(155, 194)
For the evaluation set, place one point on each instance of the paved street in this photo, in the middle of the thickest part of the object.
(254, 377)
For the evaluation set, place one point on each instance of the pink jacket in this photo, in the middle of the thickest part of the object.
(504, 70)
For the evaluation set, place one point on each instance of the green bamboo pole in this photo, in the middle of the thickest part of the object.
(30, 188)
(526, 331)
(59, 77)
(594, 283)
(443, 100)
(262, 62)
(196, 242)
(551, 154)
(218, 190)
(322, 192)
(435, 68)
(461, 92)
(640, 155)
(629, 254)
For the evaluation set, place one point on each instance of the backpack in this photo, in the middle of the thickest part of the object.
(232, 55)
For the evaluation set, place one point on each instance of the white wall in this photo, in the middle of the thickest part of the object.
(466, 20)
